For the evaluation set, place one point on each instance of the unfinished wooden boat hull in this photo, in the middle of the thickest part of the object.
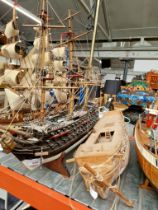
(107, 156)
(147, 160)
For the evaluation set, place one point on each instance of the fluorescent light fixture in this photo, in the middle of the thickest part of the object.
(22, 10)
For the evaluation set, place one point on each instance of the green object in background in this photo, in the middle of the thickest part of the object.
(143, 84)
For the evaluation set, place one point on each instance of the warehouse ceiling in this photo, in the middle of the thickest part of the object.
(118, 19)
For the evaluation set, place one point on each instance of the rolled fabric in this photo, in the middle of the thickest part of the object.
(13, 77)
(14, 50)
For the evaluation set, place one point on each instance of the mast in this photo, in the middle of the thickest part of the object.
(70, 46)
(44, 33)
(89, 74)
(14, 18)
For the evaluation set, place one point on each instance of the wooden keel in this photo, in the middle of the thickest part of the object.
(58, 166)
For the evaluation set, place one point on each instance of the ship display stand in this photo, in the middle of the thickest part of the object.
(46, 190)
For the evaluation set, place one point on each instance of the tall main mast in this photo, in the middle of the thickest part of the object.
(71, 48)
(44, 34)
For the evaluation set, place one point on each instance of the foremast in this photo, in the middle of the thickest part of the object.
(44, 30)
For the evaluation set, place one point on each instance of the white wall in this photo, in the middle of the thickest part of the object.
(145, 65)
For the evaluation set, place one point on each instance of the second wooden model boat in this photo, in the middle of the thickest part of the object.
(104, 156)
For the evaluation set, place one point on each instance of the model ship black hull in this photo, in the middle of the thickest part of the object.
(59, 136)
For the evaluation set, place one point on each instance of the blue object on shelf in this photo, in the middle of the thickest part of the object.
(140, 98)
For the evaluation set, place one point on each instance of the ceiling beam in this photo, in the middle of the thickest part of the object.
(120, 53)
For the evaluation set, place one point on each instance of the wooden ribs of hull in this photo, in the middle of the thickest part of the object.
(149, 170)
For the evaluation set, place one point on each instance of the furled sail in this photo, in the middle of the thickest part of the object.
(14, 50)
(13, 77)
(16, 101)
(11, 29)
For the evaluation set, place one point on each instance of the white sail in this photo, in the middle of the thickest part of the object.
(35, 100)
(58, 65)
(47, 59)
(28, 65)
(2, 67)
(9, 51)
(60, 96)
(16, 101)
(59, 52)
(2, 80)
(13, 77)
(38, 40)
(10, 30)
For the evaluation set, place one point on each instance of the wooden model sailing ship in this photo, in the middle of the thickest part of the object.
(14, 51)
(45, 139)
(146, 138)
(104, 155)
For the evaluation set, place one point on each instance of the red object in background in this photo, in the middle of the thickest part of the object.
(152, 78)
(150, 121)
(72, 76)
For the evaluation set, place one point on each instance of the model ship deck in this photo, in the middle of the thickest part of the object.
(130, 181)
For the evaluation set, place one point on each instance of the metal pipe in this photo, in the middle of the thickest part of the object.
(94, 33)
(125, 70)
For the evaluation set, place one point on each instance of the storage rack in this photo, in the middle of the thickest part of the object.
(36, 194)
